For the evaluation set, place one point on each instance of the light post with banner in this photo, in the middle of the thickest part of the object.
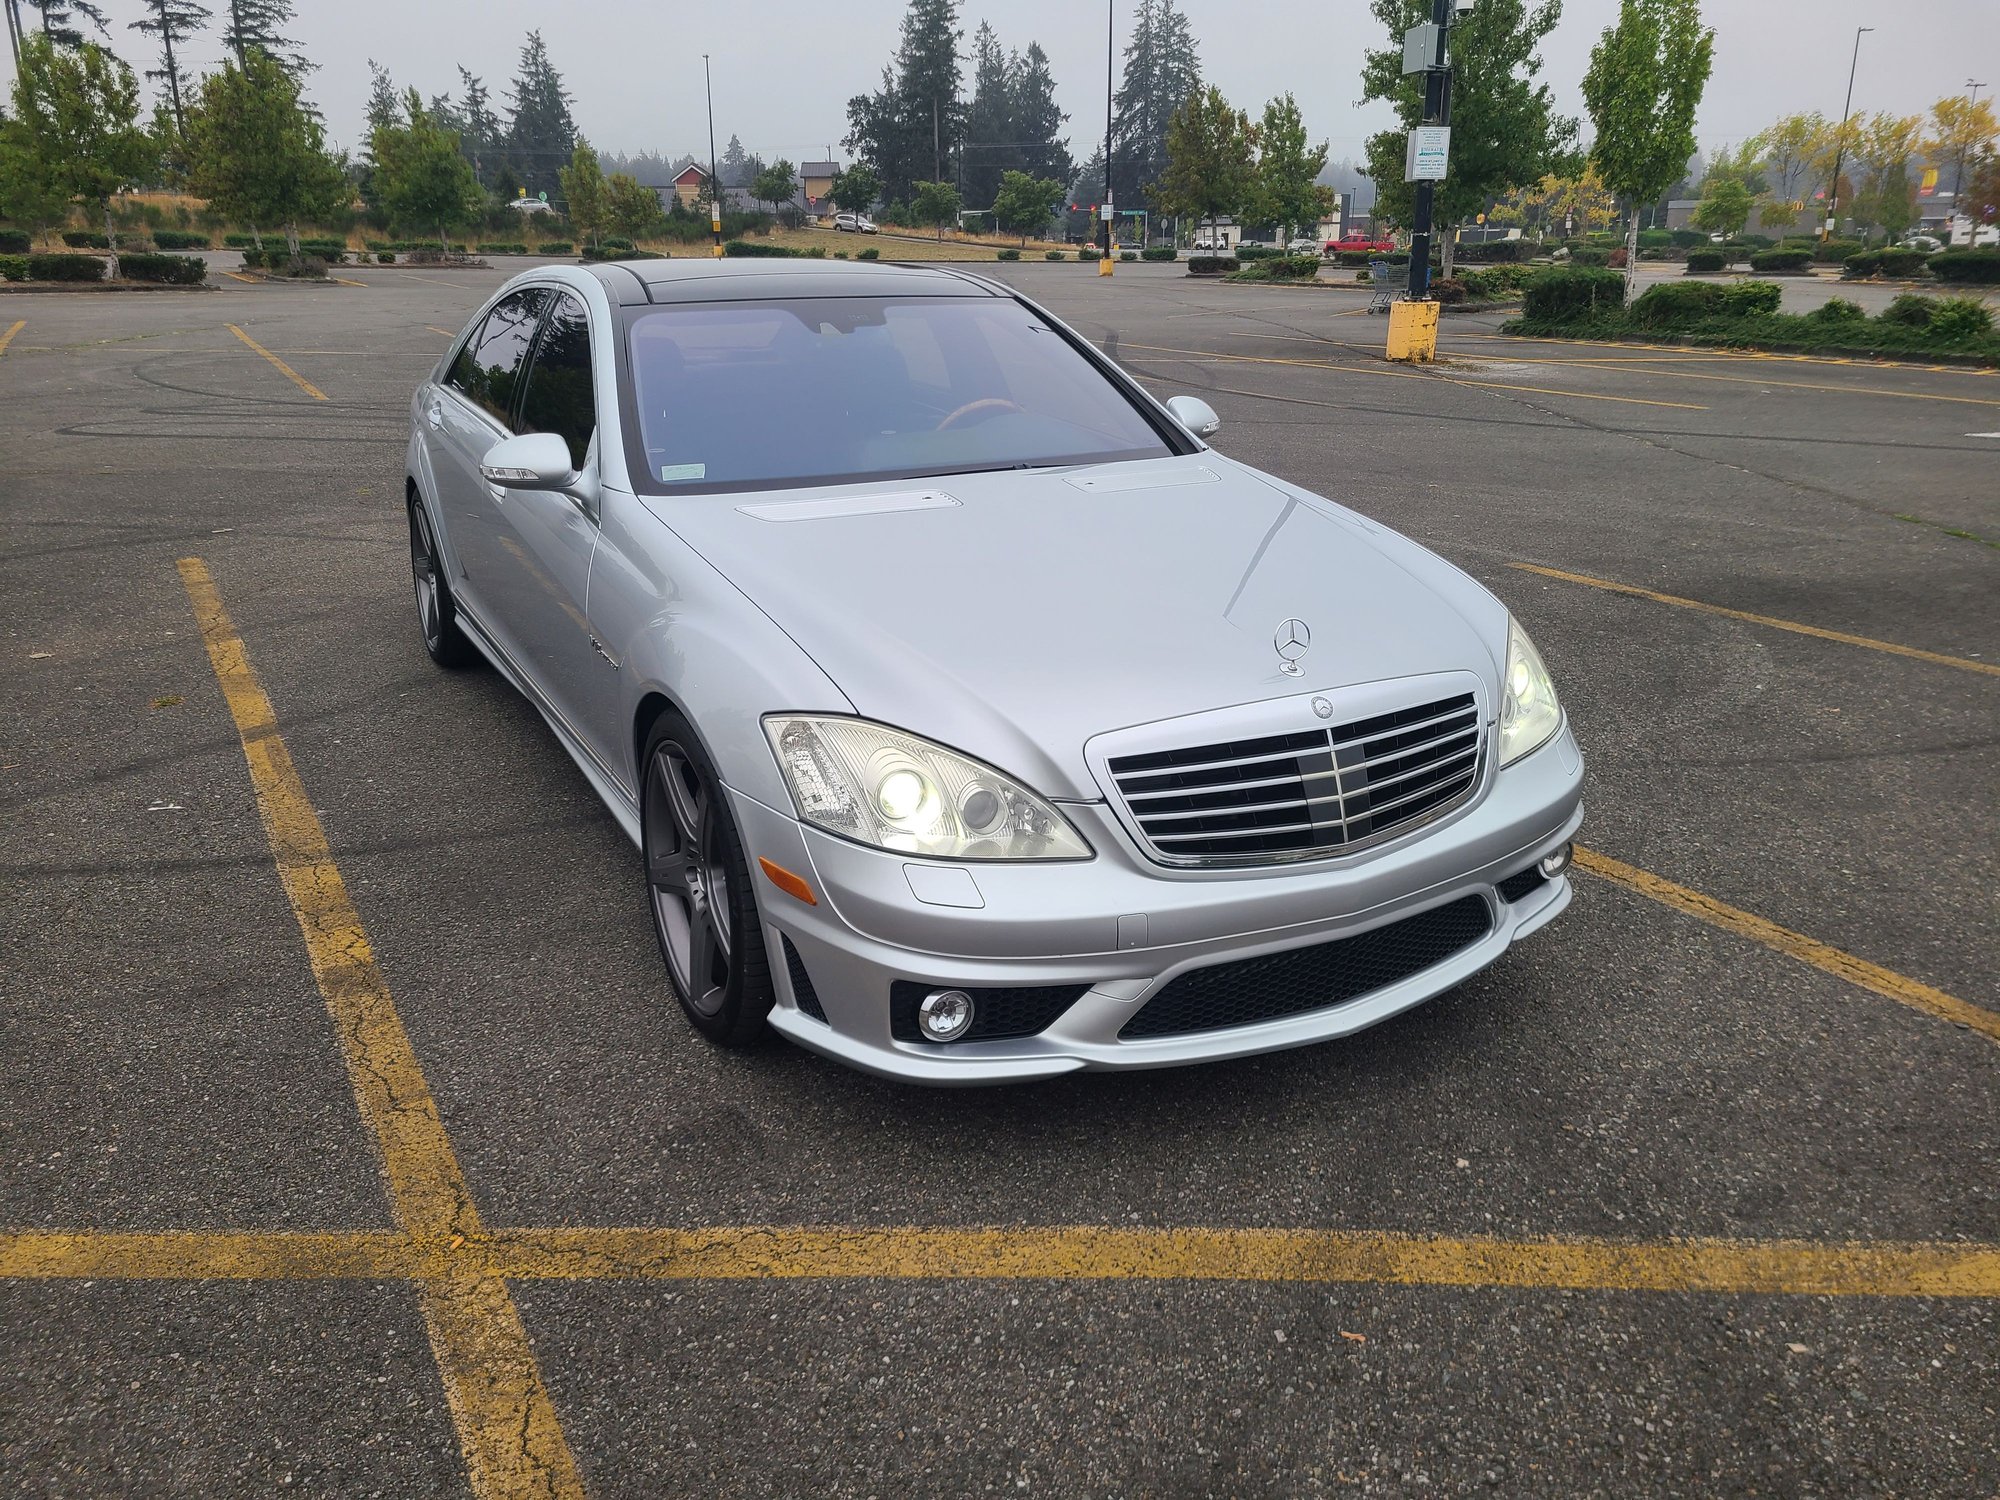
(1413, 319)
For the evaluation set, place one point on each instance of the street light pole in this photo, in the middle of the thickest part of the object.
(1840, 141)
(714, 185)
(1437, 111)
(1110, 51)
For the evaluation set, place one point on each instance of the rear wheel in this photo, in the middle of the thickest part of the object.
(437, 615)
(698, 883)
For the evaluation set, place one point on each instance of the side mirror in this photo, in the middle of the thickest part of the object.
(1193, 413)
(532, 461)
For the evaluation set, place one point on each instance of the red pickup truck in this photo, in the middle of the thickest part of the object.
(1354, 240)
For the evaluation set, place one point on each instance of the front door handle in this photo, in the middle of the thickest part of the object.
(436, 414)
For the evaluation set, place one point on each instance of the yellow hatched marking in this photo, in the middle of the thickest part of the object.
(8, 337)
(1066, 1253)
(1822, 956)
(286, 370)
(1938, 658)
(506, 1422)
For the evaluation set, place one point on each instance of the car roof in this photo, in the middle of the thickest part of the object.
(634, 283)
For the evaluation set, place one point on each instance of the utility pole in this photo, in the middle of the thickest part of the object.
(714, 183)
(1110, 52)
(1437, 112)
(1840, 141)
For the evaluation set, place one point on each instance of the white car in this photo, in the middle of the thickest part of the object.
(1305, 244)
(854, 223)
(1209, 242)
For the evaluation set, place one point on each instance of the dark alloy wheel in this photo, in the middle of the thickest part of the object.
(437, 615)
(704, 907)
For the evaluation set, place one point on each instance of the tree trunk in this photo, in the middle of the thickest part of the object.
(256, 239)
(1447, 243)
(292, 238)
(111, 239)
(1631, 256)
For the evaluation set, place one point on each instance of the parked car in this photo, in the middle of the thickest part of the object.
(974, 719)
(854, 223)
(1373, 244)
(1922, 242)
(1211, 244)
(1305, 244)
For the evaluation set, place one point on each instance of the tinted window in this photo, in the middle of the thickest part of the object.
(560, 397)
(763, 394)
(488, 368)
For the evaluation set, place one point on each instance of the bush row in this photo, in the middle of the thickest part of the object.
(503, 249)
(13, 267)
(1212, 265)
(172, 270)
(41, 266)
(1159, 252)
(556, 247)
(15, 242)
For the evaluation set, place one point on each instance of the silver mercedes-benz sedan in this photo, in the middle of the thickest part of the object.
(975, 720)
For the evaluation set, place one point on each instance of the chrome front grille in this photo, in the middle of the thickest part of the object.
(1304, 795)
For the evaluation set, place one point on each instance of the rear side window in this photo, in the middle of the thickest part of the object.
(561, 397)
(488, 369)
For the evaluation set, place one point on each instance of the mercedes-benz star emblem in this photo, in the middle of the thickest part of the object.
(1323, 708)
(1292, 641)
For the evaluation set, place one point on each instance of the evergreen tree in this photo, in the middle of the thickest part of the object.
(541, 136)
(385, 109)
(735, 166)
(172, 21)
(989, 122)
(257, 26)
(1162, 73)
(59, 20)
(479, 135)
(908, 130)
(1040, 148)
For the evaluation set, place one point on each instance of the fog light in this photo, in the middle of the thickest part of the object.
(945, 1015)
(1554, 864)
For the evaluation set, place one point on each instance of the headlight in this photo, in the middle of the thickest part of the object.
(879, 786)
(1529, 713)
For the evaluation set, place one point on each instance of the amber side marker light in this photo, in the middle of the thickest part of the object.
(786, 881)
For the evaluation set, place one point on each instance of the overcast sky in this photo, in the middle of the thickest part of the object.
(784, 69)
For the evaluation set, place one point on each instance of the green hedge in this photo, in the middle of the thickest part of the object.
(1159, 252)
(66, 267)
(1212, 265)
(1833, 252)
(15, 242)
(1683, 304)
(1745, 315)
(1590, 256)
(751, 249)
(1682, 239)
(616, 242)
(1128, 254)
(556, 247)
(1495, 283)
(1967, 267)
(1007, 255)
(85, 239)
(1251, 250)
(1706, 262)
(1088, 254)
(179, 239)
(173, 270)
(871, 253)
(606, 252)
(503, 249)
(1782, 262)
(237, 242)
(1575, 292)
(13, 268)
(1498, 252)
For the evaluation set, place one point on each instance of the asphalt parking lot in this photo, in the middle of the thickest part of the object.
(352, 1144)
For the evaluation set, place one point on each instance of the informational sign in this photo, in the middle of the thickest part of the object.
(1430, 145)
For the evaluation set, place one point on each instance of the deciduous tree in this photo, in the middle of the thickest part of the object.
(1505, 132)
(855, 190)
(1959, 129)
(935, 203)
(420, 175)
(74, 133)
(1288, 191)
(630, 208)
(1645, 81)
(1883, 145)
(256, 153)
(1211, 159)
(1725, 206)
(583, 190)
(776, 184)
(1024, 205)
(1797, 149)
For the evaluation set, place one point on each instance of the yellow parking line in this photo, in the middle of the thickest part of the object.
(1859, 971)
(8, 337)
(1991, 669)
(506, 1422)
(293, 375)
(1320, 364)
(343, 281)
(1801, 1268)
(239, 276)
(444, 332)
(1779, 385)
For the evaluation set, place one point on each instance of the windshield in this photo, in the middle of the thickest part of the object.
(758, 395)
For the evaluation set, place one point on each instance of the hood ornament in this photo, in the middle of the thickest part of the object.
(1293, 640)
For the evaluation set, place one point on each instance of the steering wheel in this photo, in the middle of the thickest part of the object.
(986, 406)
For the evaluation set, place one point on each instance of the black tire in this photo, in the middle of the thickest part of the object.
(699, 890)
(437, 613)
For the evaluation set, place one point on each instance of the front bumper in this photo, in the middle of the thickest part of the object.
(1127, 927)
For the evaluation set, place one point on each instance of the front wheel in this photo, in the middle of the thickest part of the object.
(698, 884)
(437, 615)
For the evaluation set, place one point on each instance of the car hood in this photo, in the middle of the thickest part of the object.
(1015, 615)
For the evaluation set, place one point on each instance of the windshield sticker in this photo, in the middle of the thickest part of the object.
(669, 473)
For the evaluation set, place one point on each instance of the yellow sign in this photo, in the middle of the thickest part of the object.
(1929, 185)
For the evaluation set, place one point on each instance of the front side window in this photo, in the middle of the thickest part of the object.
(488, 369)
(560, 396)
(762, 395)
